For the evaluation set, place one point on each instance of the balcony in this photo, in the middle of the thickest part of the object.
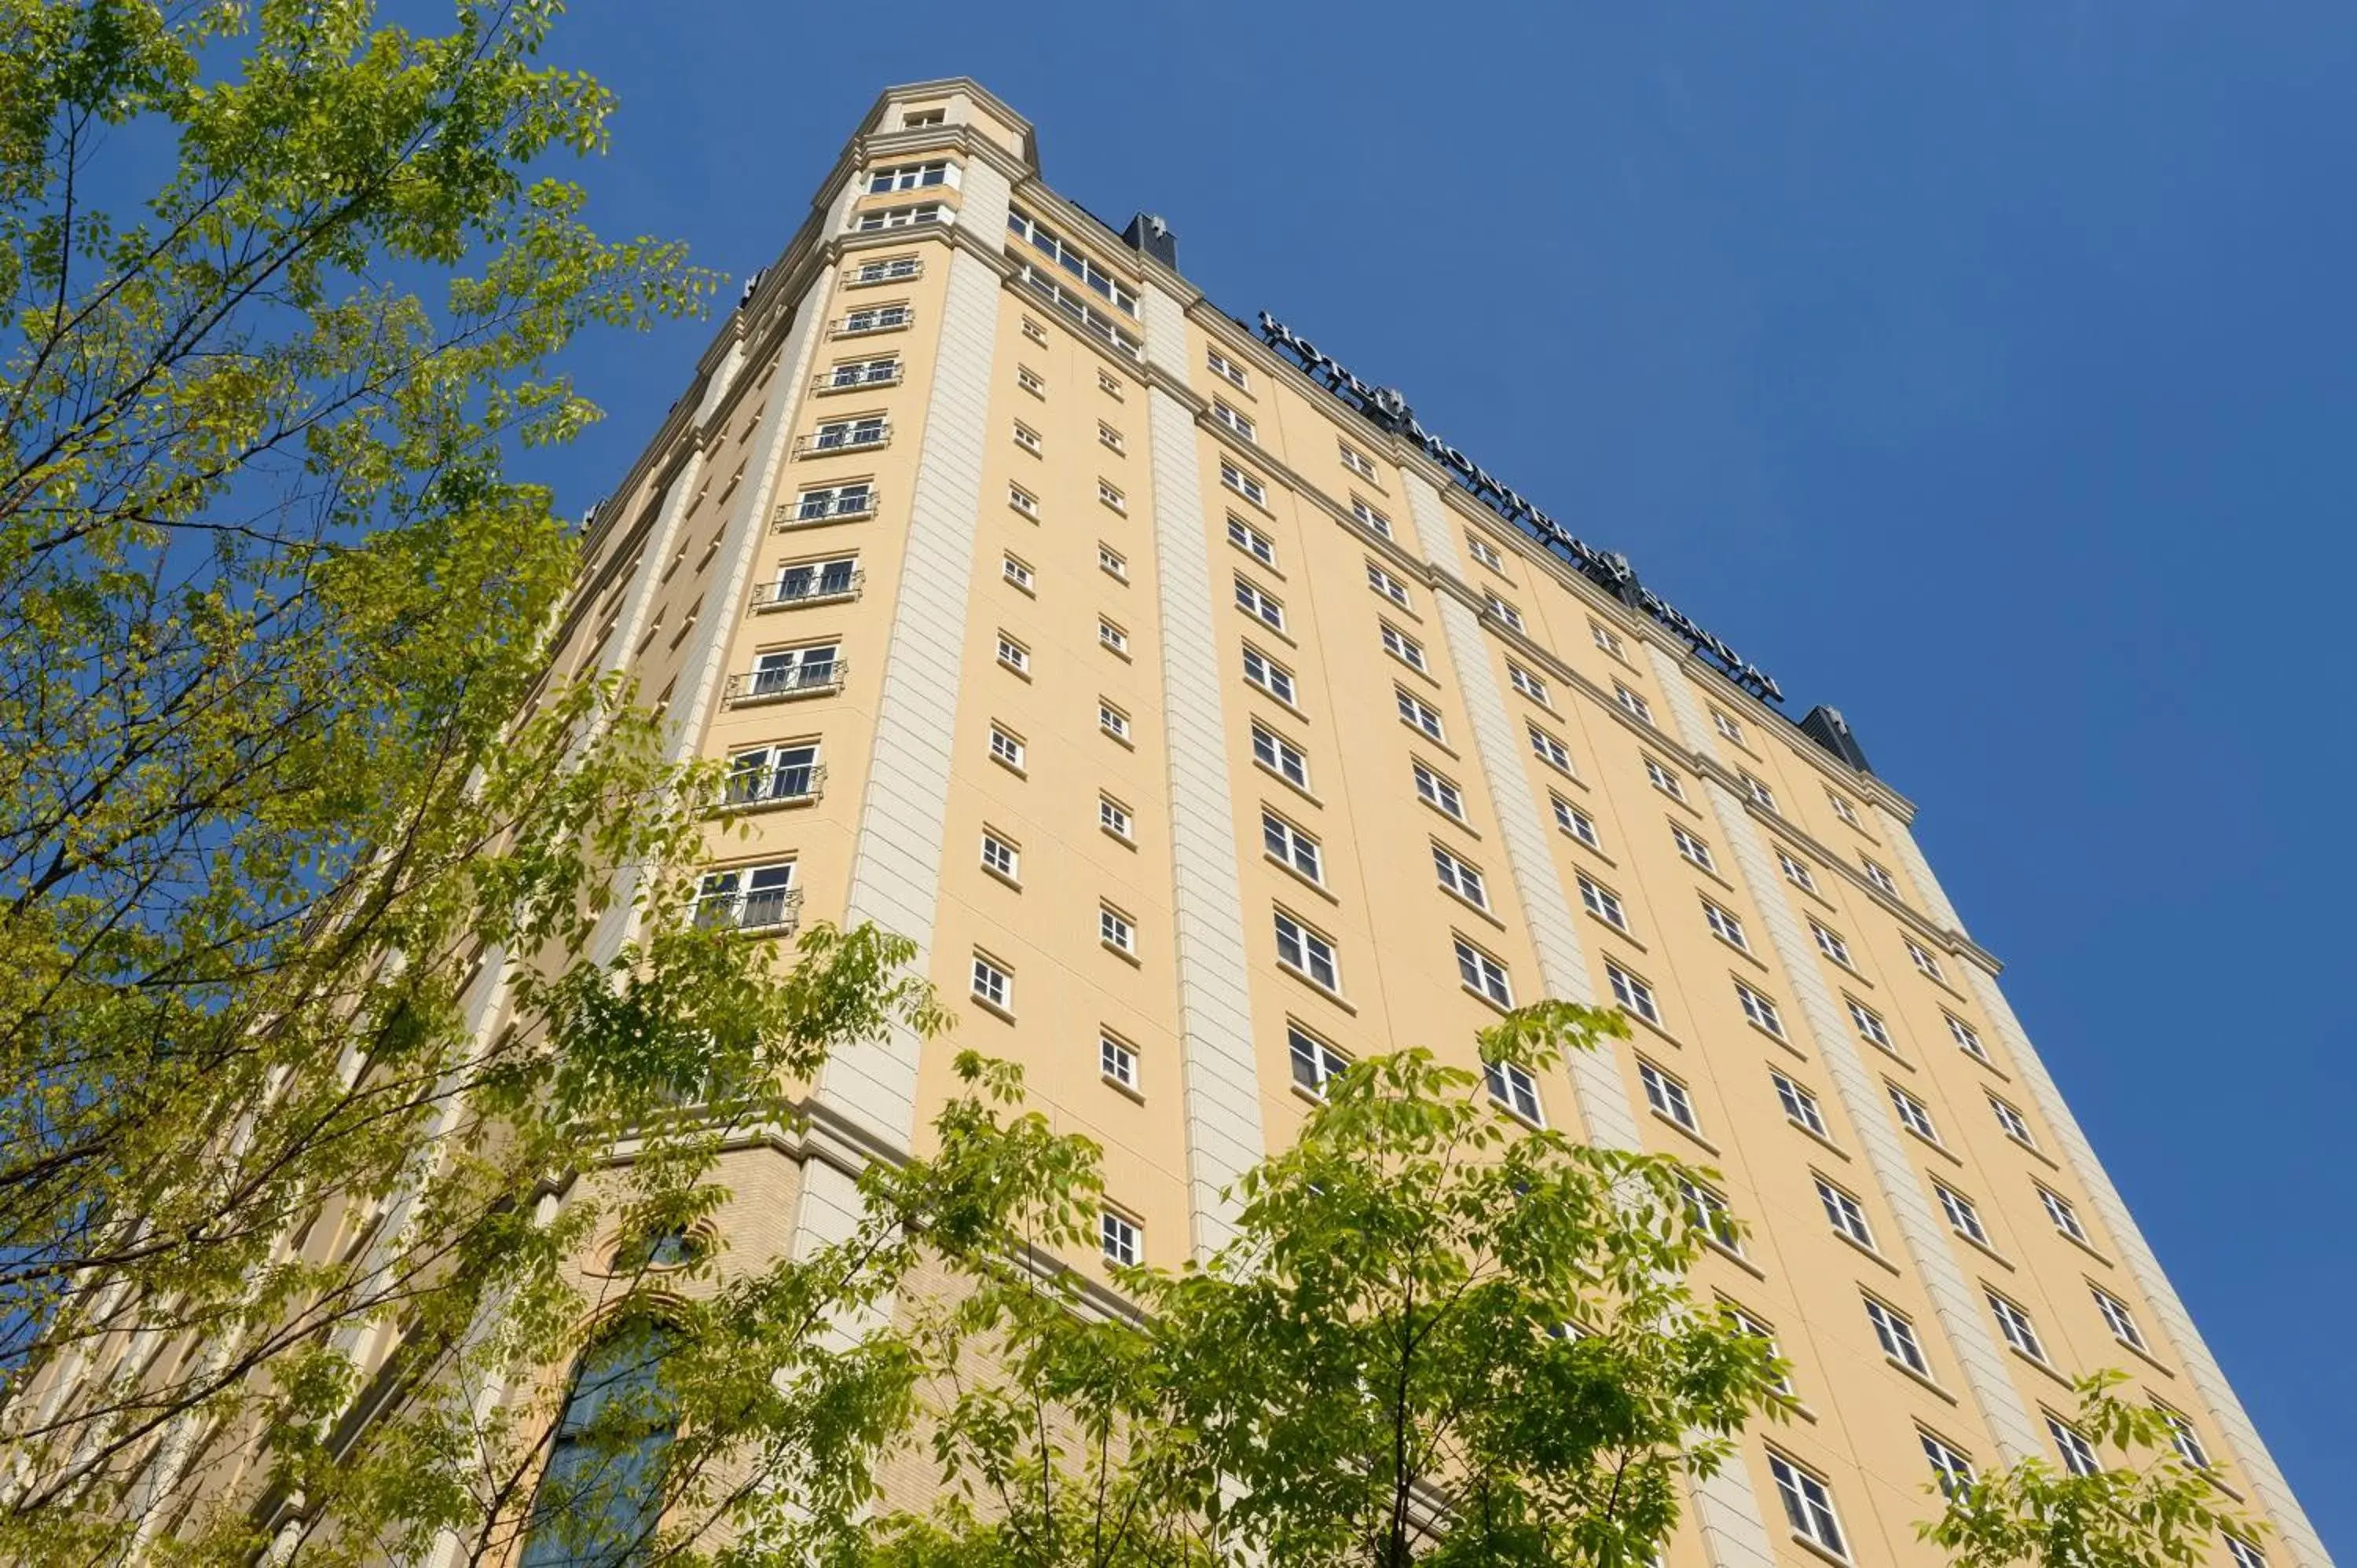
(823, 507)
(899, 269)
(768, 789)
(858, 376)
(865, 325)
(857, 438)
(814, 588)
(770, 914)
(757, 686)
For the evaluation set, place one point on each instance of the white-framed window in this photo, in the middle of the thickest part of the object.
(1306, 952)
(1950, 1469)
(1419, 715)
(907, 217)
(1668, 1096)
(1251, 540)
(1404, 647)
(2078, 1454)
(888, 269)
(1967, 1038)
(1726, 727)
(1034, 332)
(747, 897)
(1290, 846)
(1575, 821)
(850, 434)
(909, 177)
(1962, 1217)
(1356, 461)
(1237, 423)
(1692, 848)
(1110, 495)
(799, 581)
(1483, 974)
(1762, 796)
(1013, 655)
(1796, 872)
(875, 318)
(1018, 571)
(1117, 931)
(1112, 720)
(2118, 1318)
(1113, 563)
(1831, 945)
(1800, 1105)
(1921, 956)
(1062, 256)
(1268, 674)
(1243, 484)
(1664, 780)
(1511, 1086)
(2065, 1218)
(1913, 1115)
(2245, 1554)
(1227, 370)
(1383, 583)
(1606, 638)
(1370, 517)
(1111, 638)
(1745, 1323)
(1897, 1335)
(1870, 1026)
(772, 773)
(1484, 552)
(1461, 877)
(2184, 1439)
(1436, 791)
(1632, 993)
(1114, 818)
(1846, 1213)
(1808, 1505)
(1709, 1211)
(2015, 1125)
(880, 371)
(1549, 750)
(1031, 380)
(1842, 808)
(994, 983)
(1259, 603)
(1881, 879)
(1117, 1060)
(2014, 1324)
(1024, 501)
(855, 499)
(1760, 1010)
(1602, 903)
(1110, 439)
(1633, 704)
(1027, 439)
(1316, 1064)
(1120, 1238)
(1280, 756)
(1522, 681)
(1506, 614)
(1110, 385)
(1006, 747)
(1000, 854)
(812, 666)
(1726, 927)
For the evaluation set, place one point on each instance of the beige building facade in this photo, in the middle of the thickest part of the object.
(1208, 725)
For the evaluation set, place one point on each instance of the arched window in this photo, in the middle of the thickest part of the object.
(601, 1496)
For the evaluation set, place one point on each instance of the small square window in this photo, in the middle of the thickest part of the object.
(1760, 1010)
(1280, 756)
(1549, 750)
(1237, 424)
(1120, 1239)
(1664, 780)
(2014, 1324)
(1316, 1064)
(1967, 1038)
(1482, 974)
(1113, 638)
(1117, 1061)
(1913, 1115)
(1485, 553)
(1016, 572)
(1692, 848)
(1808, 1505)
(1013, 655)
(1112, 720)
(1846, 1214)
(2079, 1455)
(1605, 637)
(1117, 931)
(2015, 1125)
(993, 984)
(1227, 370)
(1030, 381)
(1000, 855)
(1575, 821)
(1528, 684)
(1113, 563)
(1633, 704)
(1110, 439)
(1259, 603)
(1603, 902)
(1440, 792)
(1726, 727)
(1870, 1026)
(1962, 1218)
(1460, 876)
(1005, 748)
(1110, 494)
(1796, 872)
(1023, 501)
(1419, 715)
(1371, 516)
(1511, 1086)
(1668, 1096)
(1307, 952)
(1251, 540)
(1881, 879)
(1506, 614)
(1027, 439)
(1800, 1105)
(1726, 927)
(1383, 583)
(1268, 675)
(1632, 993)
(1110, 385)
(1404, 647)
(1114, 818)
(1356, 461)
(1842, 808)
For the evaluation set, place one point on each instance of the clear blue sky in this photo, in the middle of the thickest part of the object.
(1989, 372)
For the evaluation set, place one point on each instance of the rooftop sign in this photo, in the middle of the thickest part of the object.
(1609, 569)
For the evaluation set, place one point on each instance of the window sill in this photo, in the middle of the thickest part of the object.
(1270, 567)
(1640, 1019)
(1460, 824)
(2034, 1151)
(1016, 670)
(1301, 877)
(1000, 876)
(1863, 1250)
(1620, 932)
(1480, 910)
(1820, 1138)
(1121, 953)
(1010, 767)
(1825, 1552)
(1688, 1134)
(2046, 1368)
(1433, 741)
(1003, 1015)
(1985, 1249)
(1300, 789)
(1129, 1090)
(1722, 1249)
(1122, 741)
(1753, 959)
(1123, 840)
(2147, 1357)
(2086, 1247)
(1491, 1003)
(1937, 1147)
(1320, 987)
(1120, 654)
(1923, 1380)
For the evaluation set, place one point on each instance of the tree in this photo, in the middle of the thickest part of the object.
(2157, 1511)
(1439, 1335)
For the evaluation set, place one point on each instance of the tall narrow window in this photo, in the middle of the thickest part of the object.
(601, 1496)
(1808, 1505)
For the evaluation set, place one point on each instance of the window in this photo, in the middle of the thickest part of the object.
(1606, 638)
(2015, 1125)
(1550, 750)
(1848, 1214)
(1110, 385)
(898, 217)
(1950, 1468)
(1808, 1505)
(1506, 614)
(1306, 952)
(1485, 553)
(993, 983)
(1251, 540)
(1967, 1039)
(1483, 974)
(890, 269)
(1725, 927)
(1110, 439)
(1029, 379)
(1113, 563)
(1668, 1096)
(1114, 818)
(772, 773)
(1692, 848)
(1281, 757)
(1842, 808)
(834, 500)
(1880, 877)
(1081, 312)
(1112, 637)
(2118, 1319)
(1227, 370)
(1575, 821)
(1664, 780)
(1460, 878)
(908, 177)
(2185, 1440)
(1602, 903)
(1912, 1114)
(1418, 714)
(1316, 1064)
(1760, 1010)
(1746, 1324)
(782, 671)
(1120, 1239)
(1798, 1104)
(1256, 601)
(1962, 1216)
(851, 374)
(1522, 681)
(1243, 484)
(2014, 1324)
(1110, 494)
(1402, 646)
(2078, 1453)
(1710, 1213)
(1268, 674)
(874, 318)
(1632, 993)
(1383, 583)
(1436, 791)
(1897, 1337)
(1356, 461)
(2245, 1554)
(1001, 856)
(1117, 1061)
(1635, 705)
(846, 434)
(805, 580)
(1005, 748)
(1013, 655)
(1027, 439)
(2065, 1218)
(1762, 796)
(1112, 720)
(747, 898)
(1726, 727)
(1290, 846)
(1870, 1025)
(1064, 257)
(1831, 945)
(602, 1494)
(1023, 501)
(1117, 931)
(1511, 1086)
(1796, 872)
(1034, 331)
(1240, 427)
(1923, 959)
(1370, 517)
(1014, 570)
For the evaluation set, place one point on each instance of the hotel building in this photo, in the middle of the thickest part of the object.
(1208, 724)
